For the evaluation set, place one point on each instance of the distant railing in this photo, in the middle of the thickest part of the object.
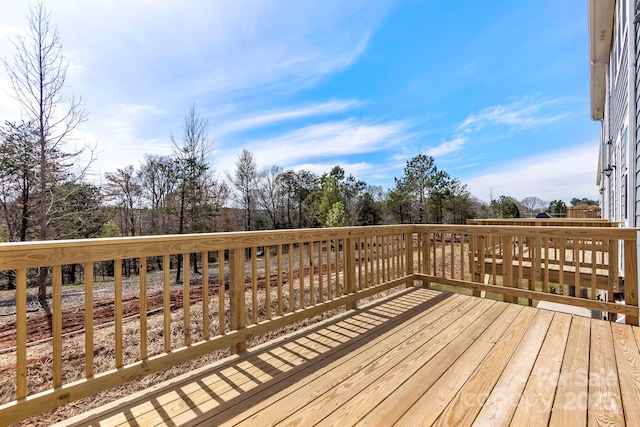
(576, 266)
(252, 283)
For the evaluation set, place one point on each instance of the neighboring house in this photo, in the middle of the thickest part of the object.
(613, 54)
(584, 211)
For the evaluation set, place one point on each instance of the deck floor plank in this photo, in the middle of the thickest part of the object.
(417, 358)
(369, 378)
(628, 361)
(431, 403)
(235, 382)
(604, 405)
(501, 405)
(570, 403)
(353, 401)
(468, 402)
(217, 386)
(534, 407)
(330, 376)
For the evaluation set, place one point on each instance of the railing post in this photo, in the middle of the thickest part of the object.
(507, 267)
(631, 276)
(236, 294)
(479, 270)
(350, 270)
(408, 241)
(426, 256)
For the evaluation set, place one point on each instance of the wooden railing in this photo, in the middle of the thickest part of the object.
(256, 282)
(252, 283)
(576, 266)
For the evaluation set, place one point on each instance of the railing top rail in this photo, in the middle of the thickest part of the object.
(600, 222)
(514, 230)
(45, 253)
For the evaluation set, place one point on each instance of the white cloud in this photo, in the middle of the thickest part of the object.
(271, 117)
(329, 139)
(520, 114)
(315, 147)
(447, 147)
(560, 174)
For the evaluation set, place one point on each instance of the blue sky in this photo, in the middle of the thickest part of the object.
(496, 91)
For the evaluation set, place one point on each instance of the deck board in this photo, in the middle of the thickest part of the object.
(419, 358)
(536, 401)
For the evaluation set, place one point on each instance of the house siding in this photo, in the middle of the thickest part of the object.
(617, 122)
(633, 135)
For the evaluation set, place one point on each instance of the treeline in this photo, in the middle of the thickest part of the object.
(182, 193)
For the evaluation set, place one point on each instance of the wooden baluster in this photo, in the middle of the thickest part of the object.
(576, 264)
(533, 256)
(279, 279)
(452, 267)
(206, 326)
(358, 242)
(426, 249)
(312, 286)
(186, 299)
(291, 291)
(520, 262)
(21, 333)
(349, 271)
(166, 301)
(267, 280)
(117, 268)
(88, 319)
(301, 274)
(367, 258)
(507, 267)
(254, 285)
(337, 269)
(545, 272)
(328, 262)
(562, 243)
(221, 290)
(320, 271)
(379, 260)
(594, 271)
(236, 295)
(408, 256)
(443, 243)
(462, 256)
(143, 307)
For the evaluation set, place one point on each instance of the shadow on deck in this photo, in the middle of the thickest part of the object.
(420, 357)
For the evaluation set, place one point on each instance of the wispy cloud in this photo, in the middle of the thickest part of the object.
(447, 147)
(321, 143)
(520, 114)
(263, 119)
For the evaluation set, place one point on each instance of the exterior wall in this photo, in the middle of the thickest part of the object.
(634, 194)
(615, 134)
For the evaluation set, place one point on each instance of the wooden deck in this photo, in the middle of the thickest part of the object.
(419, 358)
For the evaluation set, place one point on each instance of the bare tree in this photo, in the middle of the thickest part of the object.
(123, 188)
(534, 205)
(157, 181)
(191, 155)
(245, 181)
(38, 73)
(270, 195)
